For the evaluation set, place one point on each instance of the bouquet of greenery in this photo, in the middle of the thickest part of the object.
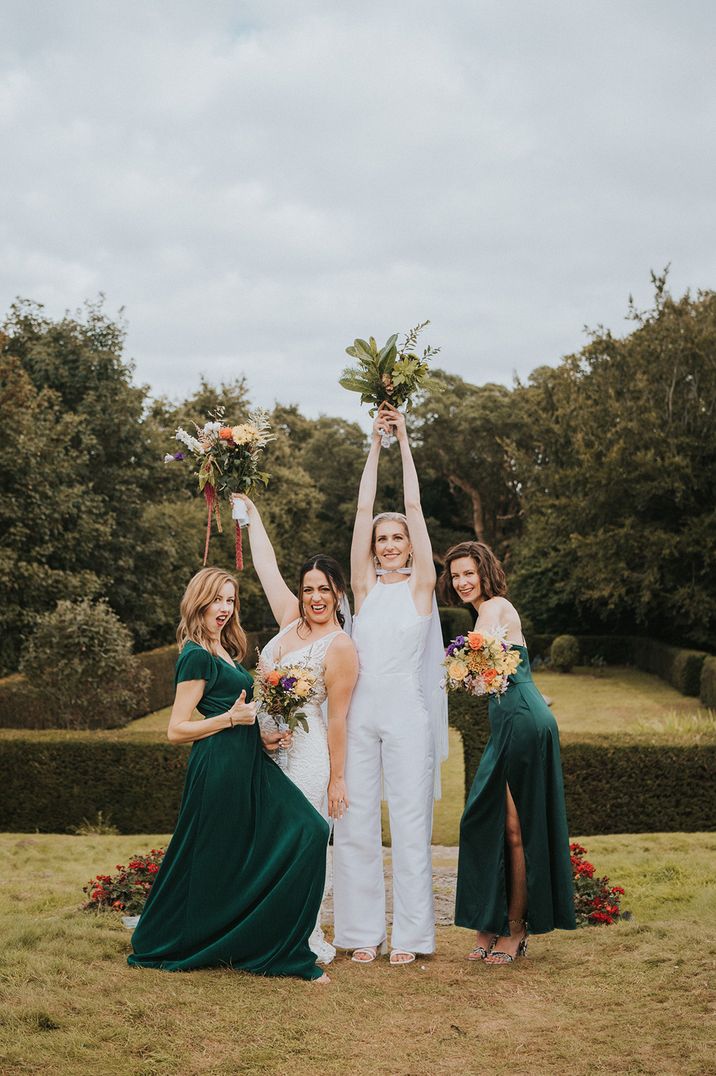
(392, 374)
(228, 459)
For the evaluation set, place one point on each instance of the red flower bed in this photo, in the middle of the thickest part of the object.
(127, 890)
(596, 902)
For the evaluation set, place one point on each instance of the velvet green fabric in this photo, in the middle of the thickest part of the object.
(242, 879)
(522, 753)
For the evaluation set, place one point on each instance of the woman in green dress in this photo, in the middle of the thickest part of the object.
(242, 879)
(514, 870)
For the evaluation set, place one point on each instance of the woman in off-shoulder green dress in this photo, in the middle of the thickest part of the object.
(242, 879)
(514, 868)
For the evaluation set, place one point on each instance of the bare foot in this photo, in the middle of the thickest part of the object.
(321, 979)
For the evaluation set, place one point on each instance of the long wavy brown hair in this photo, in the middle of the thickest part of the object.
(203, 589)
(493, 583)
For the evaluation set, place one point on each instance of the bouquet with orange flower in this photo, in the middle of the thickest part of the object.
(479, 664)
(281, 691)
(228, 462)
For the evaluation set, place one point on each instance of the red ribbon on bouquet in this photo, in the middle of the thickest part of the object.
(212, 509)
(212, 506)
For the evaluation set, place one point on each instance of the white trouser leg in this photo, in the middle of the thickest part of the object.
(358, 885)
(408, 773)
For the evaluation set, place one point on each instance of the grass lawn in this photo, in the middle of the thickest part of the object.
(634, 998)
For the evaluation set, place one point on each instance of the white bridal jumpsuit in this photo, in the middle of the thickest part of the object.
(393, 743)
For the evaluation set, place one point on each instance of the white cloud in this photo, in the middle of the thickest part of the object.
(259, 183)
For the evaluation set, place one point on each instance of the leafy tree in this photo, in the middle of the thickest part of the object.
(50, 523)
(620, 482)
(464, 452)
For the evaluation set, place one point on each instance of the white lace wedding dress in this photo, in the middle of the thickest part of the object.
(307, 761)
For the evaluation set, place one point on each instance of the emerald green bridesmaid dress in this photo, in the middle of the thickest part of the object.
(242, 879)
(522, 753)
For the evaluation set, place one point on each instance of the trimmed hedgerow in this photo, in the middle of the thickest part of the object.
(455, 620)
(615, 785)
(51, 783)
(679, 667)
(707, 694)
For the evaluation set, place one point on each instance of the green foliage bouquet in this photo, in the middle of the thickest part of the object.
(228, 460)
(392, 374)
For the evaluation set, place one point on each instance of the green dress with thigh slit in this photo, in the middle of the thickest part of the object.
(242, 879)
(522, 753)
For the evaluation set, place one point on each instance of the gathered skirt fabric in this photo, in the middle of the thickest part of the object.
(242, 879)
(523, 755)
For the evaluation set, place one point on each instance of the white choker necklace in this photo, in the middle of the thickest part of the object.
(393, 571)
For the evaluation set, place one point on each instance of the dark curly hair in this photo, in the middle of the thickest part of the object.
(336, 581)
(492, 577)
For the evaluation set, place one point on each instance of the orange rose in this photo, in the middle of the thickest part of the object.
(226, 433)
(475, 640)
(273, 677)
(489, 675)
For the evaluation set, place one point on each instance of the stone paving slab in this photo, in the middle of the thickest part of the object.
(444, 880)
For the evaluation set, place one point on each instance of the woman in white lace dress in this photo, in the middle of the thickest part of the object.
(311, 633)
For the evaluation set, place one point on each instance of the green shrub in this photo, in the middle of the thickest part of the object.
(564, 653)
(679, 667)
(707, 692)
(624, 785)
(18, 703)
(78, 664)
(456, 620)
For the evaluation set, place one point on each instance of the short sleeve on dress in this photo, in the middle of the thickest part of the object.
(194, 663)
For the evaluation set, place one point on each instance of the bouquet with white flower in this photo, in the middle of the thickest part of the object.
(228, 460)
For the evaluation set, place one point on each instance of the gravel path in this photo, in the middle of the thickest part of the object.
(444, 877)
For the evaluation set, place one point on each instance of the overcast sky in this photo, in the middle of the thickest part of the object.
(257, 183)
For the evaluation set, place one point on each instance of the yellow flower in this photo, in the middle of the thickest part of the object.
(301, 688)
(244, 433)
(457, 670)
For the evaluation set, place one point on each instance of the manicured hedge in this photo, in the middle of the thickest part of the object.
(615, 649)
(624, 785)
(455, 620)
(18, 709)
(707, 694)
(51, 784)
(680, 667)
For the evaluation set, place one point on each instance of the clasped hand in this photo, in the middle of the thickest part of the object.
(273, 740)
(242, 712)
(390, 421)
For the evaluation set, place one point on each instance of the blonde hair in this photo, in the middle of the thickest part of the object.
(396, 517)
(202, 590)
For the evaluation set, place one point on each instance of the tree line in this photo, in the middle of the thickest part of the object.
(594, 479)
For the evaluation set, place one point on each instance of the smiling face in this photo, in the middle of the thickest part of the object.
(318, 600)
(391, 544)
(219, 611)
(465, 579)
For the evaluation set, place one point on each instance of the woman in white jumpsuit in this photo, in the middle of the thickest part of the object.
(397, 723)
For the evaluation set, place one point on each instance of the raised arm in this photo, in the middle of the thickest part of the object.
(341, 675)
(284, 604)
(362, 569)
(424, 577)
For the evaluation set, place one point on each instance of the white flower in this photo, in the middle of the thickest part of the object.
(169, 458)
(191, 442)
(212, 427)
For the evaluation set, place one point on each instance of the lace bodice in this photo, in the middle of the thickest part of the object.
(312, 656)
